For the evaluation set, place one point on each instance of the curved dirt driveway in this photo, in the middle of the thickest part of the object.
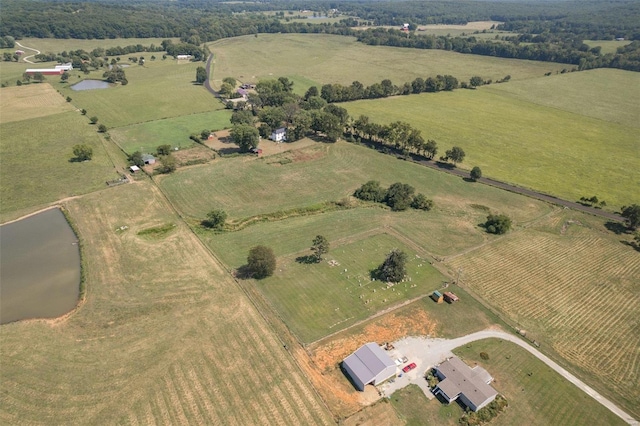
(434, 351)
(26, 58)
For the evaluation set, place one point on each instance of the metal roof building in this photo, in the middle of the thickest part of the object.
(369, 364)
(471, 385)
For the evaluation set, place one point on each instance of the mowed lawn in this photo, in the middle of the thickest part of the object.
(164, 337)
(576, 289)
(36, 167)
(323, 59)
(317, 299)
(248, 186)
(146, 137)
(159, 89)
(536, 394)
(559, 152)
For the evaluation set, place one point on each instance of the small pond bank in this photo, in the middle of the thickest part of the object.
(90, 85)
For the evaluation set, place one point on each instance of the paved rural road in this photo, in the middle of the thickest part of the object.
(435, 351)
(26, 58)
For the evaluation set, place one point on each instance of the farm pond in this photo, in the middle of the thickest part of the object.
(39, 267)
(90, 85)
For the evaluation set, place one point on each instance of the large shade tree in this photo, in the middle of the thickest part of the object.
(261, 262)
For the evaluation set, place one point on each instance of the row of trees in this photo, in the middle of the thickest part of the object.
(399, 196)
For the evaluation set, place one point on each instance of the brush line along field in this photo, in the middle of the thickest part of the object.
(324, 59)
(547, 149)
(164, 336)
(572, 288)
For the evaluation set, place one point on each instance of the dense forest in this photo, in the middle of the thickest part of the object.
(547, 30)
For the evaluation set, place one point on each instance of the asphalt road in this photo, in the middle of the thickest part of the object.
(429, 352)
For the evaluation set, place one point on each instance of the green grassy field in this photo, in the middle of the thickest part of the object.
(159, 89)
(513, 140)
(575, 288)
(323, 59)
(31, 101)
(605, 94)
(317, 299)
(146, 137)
(415, 409)
(247, 186)
(608, 46)
(55, 45)
(536, 394)
(35, 162)
(164, 337)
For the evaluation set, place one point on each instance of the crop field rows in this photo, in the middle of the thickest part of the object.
(577, 293)
(170, 335)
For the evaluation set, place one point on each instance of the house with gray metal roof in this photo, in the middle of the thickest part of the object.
(471, 385)
(369, 364)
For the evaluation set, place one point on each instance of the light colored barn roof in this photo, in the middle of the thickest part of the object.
(368, 361)
(461, 379)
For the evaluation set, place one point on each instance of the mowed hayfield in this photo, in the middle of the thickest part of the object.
(317, 59)
(164, 336)
(605, 94)
(31, 101)
(146, 137)
(576, 289)
(606, 46)
(36, 167)
(56, 45)
(552, 150)
(536, 394)
(159, 89)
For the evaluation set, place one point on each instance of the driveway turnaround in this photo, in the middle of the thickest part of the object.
(427, 352)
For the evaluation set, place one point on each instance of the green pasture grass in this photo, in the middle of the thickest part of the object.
(159, 89)
(536, 394)
(247, 186)
(35, 157)
(548, 149)
(146, 137)
(326, 59)
(607, 46)
(31, 101)
(574, 254)
(606, 94)
(317, 299)
(415, 409)
(10, 72)
(162, 336)
(56, 45)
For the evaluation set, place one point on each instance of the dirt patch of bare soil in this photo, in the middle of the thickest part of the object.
(195, 155)
(321, 364)
(387, 328)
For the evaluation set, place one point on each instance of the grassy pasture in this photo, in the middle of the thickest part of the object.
(540, 398)
(56, 45)
(317, 299)
(159, 89)
(605, 94)
(514, 140)
(164, 336)
(336, 59)
(31, 101)
(35, 162)
(146, 137)
(607, 46)
(12, 71)
(246, 186)
(574, 288)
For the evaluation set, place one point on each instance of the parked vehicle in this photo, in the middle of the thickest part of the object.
(409, 367)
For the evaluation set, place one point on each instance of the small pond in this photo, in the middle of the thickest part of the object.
(39, 267)
(90, 85)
